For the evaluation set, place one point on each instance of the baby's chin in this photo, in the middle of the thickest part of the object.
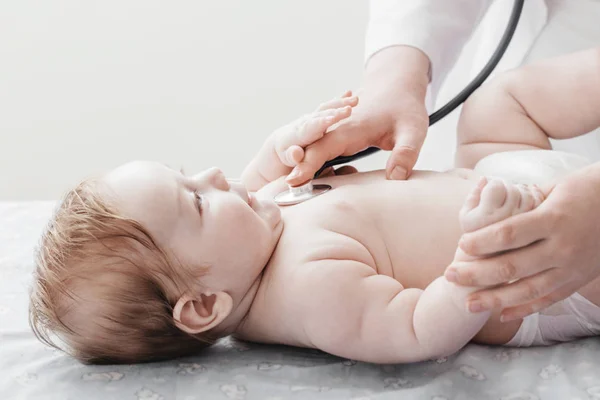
(266, 208)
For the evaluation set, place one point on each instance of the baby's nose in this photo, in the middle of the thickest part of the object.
(215, 177)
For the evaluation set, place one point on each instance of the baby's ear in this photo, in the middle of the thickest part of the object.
(200, 314)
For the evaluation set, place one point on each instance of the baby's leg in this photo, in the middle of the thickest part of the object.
(520, 109)
(490, 202)
(493, 121)
(442, 306)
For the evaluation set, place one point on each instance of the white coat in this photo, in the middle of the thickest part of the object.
(441, 28)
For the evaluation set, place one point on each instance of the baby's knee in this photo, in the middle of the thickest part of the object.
(482, 110)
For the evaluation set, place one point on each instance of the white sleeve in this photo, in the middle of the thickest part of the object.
(439, 28)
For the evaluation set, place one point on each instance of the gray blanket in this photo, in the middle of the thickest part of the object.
(236, 370)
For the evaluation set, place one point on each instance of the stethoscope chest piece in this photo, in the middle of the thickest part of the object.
(300, 194)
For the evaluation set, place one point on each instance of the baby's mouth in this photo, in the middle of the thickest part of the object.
(238, 188)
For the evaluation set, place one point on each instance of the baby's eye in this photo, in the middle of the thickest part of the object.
(199, 200)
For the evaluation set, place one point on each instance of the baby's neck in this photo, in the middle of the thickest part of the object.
(236, 322)
(236, 319)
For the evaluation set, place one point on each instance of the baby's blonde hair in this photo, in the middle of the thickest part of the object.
(105, 288)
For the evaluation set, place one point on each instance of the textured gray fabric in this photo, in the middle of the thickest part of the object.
(235, 370)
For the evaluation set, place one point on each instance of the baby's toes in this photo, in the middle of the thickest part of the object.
(538, 195)
(527, 201)
(493, 196)
(472, 200)
(497, 202)
(467, 215)
(531, 197)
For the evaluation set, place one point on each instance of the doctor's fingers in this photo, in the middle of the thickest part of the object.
(512, 233)
(521, 292)
(503, 268)
(521, 311)
(409, 140)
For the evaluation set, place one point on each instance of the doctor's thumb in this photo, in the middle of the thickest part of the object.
(403, 157)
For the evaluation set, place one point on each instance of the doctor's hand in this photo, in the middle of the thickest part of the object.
(391, 115)
(551, 251)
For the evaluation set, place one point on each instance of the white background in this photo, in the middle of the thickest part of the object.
(88, 85)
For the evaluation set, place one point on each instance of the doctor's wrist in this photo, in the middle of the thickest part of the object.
(399, 68)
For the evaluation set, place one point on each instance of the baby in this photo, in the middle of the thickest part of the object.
(145, 263)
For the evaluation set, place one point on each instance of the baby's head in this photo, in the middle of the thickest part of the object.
(147, 264)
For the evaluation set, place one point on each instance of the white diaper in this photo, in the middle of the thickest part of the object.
(573, 318)
(530, 166)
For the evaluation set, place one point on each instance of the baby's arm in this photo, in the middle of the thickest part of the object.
(284, 149)
(347, 309)
(557, 98)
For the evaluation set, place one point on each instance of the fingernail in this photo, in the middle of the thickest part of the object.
(508, 318)
(476, 307)
(329, 119)
(451, 275)
(398, 173)
(293, 175)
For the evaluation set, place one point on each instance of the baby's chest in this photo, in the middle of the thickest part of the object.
(335, 228)
(409, 238)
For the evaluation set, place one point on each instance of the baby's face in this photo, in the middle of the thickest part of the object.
(203, 220)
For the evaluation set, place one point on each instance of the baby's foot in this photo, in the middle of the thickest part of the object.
(494, 200)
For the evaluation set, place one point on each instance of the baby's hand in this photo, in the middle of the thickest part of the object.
(291, 139)
(284, 149)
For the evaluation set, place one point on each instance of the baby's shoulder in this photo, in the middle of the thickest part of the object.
(298, 296)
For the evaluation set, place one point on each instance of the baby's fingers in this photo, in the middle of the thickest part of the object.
(293, 155)
(318, 123)
(346, 100)
(309, 129)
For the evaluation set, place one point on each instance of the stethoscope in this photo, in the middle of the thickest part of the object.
(299, 194)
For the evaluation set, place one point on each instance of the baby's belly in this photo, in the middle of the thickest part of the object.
(421, 229)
